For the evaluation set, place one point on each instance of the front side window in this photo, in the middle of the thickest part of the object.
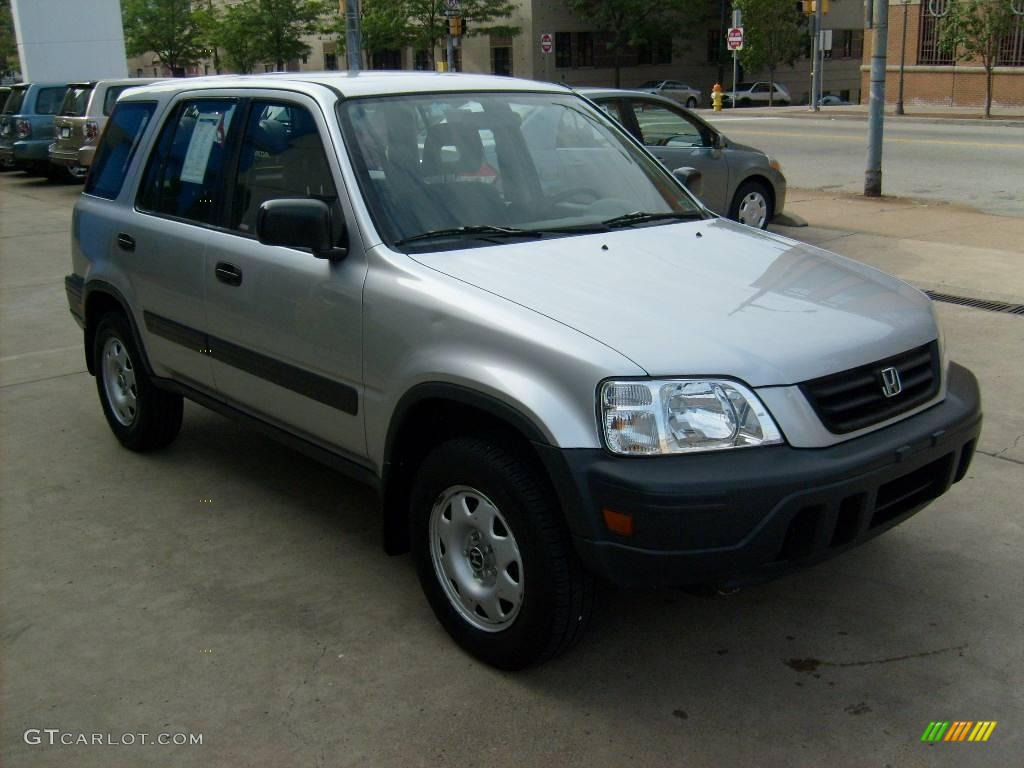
(76, 101)
(537, 163)
(117, 147)
(282, 155)
(48, 100)
(184, 174)
(663, 127)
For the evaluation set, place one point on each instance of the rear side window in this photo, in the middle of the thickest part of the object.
(117, 147)
(48, 100)
(76, 100)
(183, 175)
(281, 156)
(14, 101)
(111, 96)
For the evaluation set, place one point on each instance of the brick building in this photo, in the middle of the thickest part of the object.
(931, 76)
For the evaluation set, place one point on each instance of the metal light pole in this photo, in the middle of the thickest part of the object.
(903, 58)
(876, 107)
(353, 36)
(817, 56)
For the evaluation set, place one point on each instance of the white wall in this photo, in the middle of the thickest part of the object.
(63, 40)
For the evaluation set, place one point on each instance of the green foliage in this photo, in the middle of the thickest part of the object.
(233, 33)
(8, 44)
(774, 32)
(973, 30)
(169, 28)
(428, 25)
(281, 25)
(631, 23)
(384, 25)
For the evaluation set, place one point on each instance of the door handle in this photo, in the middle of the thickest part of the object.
(228, 273)
(125, 242)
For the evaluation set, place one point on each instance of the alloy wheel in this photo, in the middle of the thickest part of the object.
(119, 382)
(753, 210)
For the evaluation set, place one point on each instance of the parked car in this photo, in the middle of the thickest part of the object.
(26, 125)
(737, 181)
(756, 95)
(832, 100)
(83, 114)
(5, 91)
(552, 362)
(675, 90)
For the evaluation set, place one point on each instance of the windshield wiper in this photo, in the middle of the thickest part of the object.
(470, 231)
(640, 217)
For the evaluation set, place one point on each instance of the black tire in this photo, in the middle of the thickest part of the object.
(691, 103)
(156, 418)
(558, 594)
(744, 102)
(752, 188)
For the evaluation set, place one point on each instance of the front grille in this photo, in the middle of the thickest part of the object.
(855, 399)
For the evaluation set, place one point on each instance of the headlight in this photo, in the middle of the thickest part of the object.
(643, 418)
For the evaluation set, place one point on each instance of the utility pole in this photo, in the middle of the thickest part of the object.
(876, 107)
(353, 35)
(817, 56)
(903, 58)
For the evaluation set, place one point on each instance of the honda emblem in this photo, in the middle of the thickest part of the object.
(891, 385)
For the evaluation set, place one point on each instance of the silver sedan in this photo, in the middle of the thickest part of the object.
(737, 181)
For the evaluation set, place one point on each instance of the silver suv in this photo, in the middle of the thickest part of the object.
(549, 359)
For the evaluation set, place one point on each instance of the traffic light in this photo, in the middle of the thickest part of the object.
(810, 6)
(455, 26)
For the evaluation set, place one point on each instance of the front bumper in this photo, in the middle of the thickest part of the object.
(742, 516)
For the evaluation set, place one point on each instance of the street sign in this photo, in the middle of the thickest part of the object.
(735, 39)
(547, 43)
(737, 18)
(825, 43)
(451, 7)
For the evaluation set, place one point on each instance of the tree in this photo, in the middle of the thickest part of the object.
(280, 25)
(384, 26)
(169, 28)
(8, 45)
(773, 33)
(974, 29)
(233, 33)
(631, 23)
(428, 25)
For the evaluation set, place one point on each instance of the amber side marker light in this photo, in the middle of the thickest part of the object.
(618, 522)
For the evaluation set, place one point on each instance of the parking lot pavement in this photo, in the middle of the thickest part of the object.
(231, 588)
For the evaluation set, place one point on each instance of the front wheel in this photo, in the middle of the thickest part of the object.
(752, 205)
(691, 103)
(494, 556)
(141, 416)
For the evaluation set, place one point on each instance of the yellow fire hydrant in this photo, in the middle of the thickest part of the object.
(716, 97)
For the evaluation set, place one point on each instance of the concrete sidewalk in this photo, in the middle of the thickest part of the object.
(1011, 116)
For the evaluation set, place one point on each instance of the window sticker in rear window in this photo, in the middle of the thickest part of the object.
(198, 155)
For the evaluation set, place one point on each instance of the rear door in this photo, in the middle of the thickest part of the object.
(178, 205)
(678, 140)
(286, 327)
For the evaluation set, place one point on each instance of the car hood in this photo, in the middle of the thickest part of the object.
(709, 297)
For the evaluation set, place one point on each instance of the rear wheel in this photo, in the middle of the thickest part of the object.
(691, 103)
(494, 556)
(752, 205)
(142, 417)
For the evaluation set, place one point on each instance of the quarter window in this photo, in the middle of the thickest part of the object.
(183, 175)
(117, 147)
(111, 97)
(282, 155)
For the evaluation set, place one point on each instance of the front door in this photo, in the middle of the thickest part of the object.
(679, 141)
(286, 327)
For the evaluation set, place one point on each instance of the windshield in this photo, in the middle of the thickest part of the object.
(14, 101)
(76, 101)
(500, 165)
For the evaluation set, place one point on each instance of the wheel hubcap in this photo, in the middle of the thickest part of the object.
(753, 210)
(119, 382)
(476, 558)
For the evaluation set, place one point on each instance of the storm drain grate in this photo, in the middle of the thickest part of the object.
(988, 306)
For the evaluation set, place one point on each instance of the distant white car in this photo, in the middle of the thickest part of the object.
(756, 94)
(675, 90)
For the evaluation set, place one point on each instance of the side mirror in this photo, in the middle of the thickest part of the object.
(300, 223)
(690, 177)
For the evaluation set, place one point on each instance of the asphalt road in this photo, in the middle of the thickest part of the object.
(229, 587)
(970, 162)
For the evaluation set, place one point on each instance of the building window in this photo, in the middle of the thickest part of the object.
(501, 60)
(1011, 46)
(563, 50)
(584, 49)
(330, 61)
(928, 51)
(421, 60)
(714, 52)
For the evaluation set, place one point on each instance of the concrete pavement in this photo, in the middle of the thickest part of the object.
(230, 587)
